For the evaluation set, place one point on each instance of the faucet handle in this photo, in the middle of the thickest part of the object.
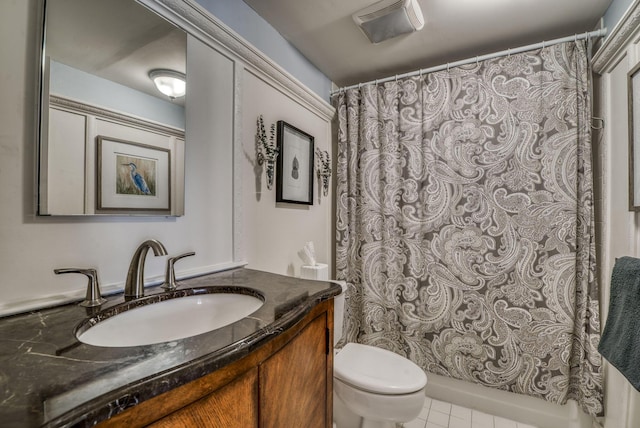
(93, 297)
(170, 273)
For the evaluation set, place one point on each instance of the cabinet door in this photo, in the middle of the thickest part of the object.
(232, 406)
(293, 382)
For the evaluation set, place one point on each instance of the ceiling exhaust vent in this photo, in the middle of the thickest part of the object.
(389, 18)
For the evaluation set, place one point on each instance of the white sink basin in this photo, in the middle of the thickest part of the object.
(171, 320)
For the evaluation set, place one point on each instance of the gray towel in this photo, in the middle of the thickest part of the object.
(620, 342)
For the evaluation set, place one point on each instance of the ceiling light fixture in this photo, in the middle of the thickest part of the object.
(389, 18)
(171, 83)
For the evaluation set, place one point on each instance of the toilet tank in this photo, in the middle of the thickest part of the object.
(338, 312)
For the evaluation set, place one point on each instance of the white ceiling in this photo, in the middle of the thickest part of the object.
(325, 33)
(117, 40)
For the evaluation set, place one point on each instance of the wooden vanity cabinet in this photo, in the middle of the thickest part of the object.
(287, 382)
(233, 406)
(293, 381)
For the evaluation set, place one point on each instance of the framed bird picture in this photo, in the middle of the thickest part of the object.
(294, 175)
(132, 177)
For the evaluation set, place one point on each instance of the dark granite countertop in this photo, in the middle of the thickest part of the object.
(49, 378)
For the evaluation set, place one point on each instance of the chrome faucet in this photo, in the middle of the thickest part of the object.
(93, 298)
(134, 285)
(170, 282)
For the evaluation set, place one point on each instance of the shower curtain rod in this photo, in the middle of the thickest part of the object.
(593, 34)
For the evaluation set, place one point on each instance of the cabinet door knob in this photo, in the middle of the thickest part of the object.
(93, 297)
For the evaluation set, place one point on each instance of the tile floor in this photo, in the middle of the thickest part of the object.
(438, 414)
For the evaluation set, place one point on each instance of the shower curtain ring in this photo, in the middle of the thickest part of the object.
(509, 53)
(447, 67)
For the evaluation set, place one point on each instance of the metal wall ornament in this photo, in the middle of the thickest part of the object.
(267, 150)
(323, 169)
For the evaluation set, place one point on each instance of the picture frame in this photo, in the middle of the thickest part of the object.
(132, 177)
(633, 90)
(294, 173)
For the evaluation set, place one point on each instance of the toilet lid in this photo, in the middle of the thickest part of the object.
(377, 370)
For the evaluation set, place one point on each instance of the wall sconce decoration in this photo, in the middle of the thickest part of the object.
(323, 168)
(171, 83)
(267, 150)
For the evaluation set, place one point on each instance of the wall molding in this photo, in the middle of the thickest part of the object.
(122, 118)
(238, 153)
(616, 43)
(198, 22)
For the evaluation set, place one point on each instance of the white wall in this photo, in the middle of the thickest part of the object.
(618, 228)
(275, 232)
(76, 84)
(616, 10)
(31, 247)
(242, 19)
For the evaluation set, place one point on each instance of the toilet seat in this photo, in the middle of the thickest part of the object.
(377, 370)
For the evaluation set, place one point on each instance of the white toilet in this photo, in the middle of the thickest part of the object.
(373, 387)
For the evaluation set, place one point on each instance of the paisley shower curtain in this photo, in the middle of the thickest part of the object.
(465, 226)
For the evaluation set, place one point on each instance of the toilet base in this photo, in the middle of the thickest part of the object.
(379, 424)
(362, 423)
(343, 417)
(355, 408)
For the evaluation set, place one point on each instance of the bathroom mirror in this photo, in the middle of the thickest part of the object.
(109, 141)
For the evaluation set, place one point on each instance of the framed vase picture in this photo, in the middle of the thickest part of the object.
(132, 177)
(294, 172)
